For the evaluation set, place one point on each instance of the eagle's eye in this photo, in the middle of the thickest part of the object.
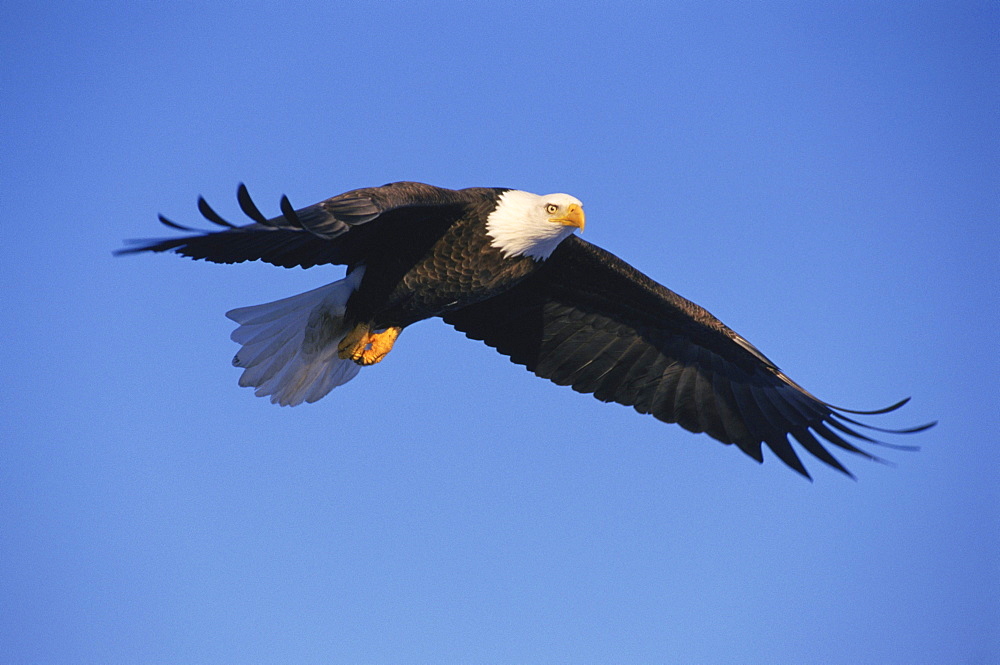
(551, 208)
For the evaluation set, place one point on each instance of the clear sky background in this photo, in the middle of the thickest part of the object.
(825, 178)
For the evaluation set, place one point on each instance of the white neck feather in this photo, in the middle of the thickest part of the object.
(519, 225)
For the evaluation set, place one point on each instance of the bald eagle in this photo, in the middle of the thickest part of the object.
(503, 266)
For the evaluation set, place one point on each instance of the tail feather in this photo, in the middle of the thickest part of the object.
(289, 346)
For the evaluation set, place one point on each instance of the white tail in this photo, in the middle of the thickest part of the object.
(289, 346)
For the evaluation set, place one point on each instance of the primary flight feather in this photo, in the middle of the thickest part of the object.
(504, 266)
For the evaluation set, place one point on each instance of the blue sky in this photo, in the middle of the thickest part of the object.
(823, 178)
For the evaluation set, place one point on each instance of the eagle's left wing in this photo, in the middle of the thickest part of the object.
(339, 230)
(589, 320)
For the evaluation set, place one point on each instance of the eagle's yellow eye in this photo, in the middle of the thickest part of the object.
(552, 208)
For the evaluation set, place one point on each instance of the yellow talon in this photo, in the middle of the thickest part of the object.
(379, 345)
(354, 343)
(367, 348)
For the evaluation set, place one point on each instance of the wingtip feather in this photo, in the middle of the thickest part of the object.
(174, 225)
(208, 213)
(876, 412)
(247, 205)
(289, 212)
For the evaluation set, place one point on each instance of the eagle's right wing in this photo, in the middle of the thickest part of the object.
(589, 320)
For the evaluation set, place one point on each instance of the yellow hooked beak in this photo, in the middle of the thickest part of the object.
(573, 217)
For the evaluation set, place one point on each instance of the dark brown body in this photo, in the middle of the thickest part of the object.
(419, 275)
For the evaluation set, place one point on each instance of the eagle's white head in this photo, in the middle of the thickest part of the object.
(528, 224)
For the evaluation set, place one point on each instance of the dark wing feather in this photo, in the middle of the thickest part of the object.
(338, 230)
(589, 320)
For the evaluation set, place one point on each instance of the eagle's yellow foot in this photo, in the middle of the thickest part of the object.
(367, 348)
(379, 346)
(354, 343)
